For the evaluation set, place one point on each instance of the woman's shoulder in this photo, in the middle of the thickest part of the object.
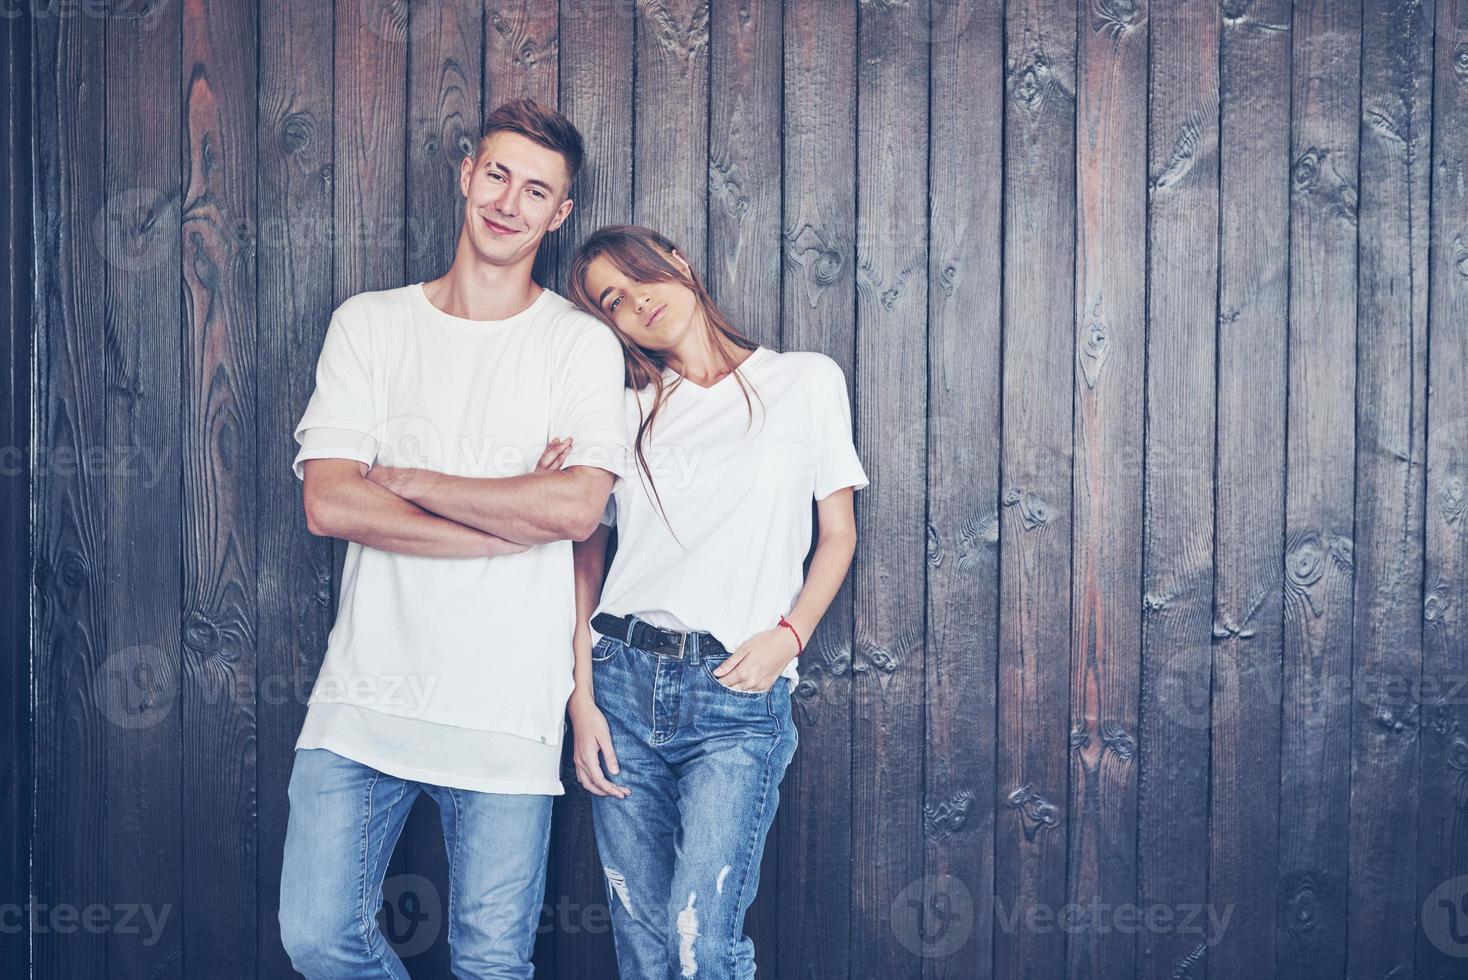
(808, 364)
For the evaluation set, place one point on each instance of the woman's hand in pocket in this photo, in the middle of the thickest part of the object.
(757, 664)
(593, 743)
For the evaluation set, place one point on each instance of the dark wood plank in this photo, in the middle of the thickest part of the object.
(1177, 529)
(1442, 846)
(16, 290)
(596, 95)
(1395, 125)
(819, 313)
(966, 164)
(144, 365)
(1249, 494)
(744, 258)
(670, 147)
(447, 63)
(294, 301)
(744, 171)
(1314, 749)
(522, 61)
(1111, 349)
(1035, 512)
(70, 603)
(888, 576)
(217, 696)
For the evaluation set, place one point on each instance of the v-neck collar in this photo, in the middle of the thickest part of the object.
(669, 374)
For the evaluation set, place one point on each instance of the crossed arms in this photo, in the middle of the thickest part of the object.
(423, 512)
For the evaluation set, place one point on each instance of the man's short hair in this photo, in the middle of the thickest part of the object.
(535, 122)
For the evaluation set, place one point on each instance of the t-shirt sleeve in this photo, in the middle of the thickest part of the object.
(590, 406)
(339, 421)
(837, 464)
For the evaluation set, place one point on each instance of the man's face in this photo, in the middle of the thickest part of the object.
(514, 192)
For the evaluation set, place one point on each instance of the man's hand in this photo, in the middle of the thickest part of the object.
(757, 664)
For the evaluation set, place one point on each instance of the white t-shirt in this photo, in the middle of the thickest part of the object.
(478, 647)
(737, 493)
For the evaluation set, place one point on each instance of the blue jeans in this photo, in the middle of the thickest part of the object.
(681, 854)
(345, 818)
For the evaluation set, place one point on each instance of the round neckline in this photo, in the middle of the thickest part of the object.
(757, 352)
(463, 323)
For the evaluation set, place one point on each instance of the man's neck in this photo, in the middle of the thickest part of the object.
(477, 290)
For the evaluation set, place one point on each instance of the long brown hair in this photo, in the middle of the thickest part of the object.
(644, 255)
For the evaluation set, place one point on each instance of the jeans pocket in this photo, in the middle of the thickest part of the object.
(605, 649)
(708, 669)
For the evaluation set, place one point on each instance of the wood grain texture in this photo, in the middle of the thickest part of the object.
(16, 346)
(144, 364)
(445, 111)
(1106, 549)
(69, 541)
(1177, 527)
(1253, 268)
(217, 694)
(818, 312)
(1395, 122)
(891, 379)
(965, 138)
(670, 183)
(1314, 749)
(1035, 525)
(1442, 848)
(294, 300)
(521, 54)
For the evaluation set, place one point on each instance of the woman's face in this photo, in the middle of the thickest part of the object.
(652, 315)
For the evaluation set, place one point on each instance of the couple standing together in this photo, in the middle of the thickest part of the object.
(474, 439)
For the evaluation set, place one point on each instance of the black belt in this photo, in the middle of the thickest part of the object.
(645, 636)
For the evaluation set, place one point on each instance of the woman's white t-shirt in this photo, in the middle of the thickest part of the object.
(447, 670)
(737, 493)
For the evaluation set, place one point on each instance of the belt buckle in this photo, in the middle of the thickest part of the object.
(682, 641)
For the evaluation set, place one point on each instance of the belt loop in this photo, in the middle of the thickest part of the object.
(683, 644)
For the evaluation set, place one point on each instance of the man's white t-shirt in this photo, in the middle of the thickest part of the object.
(729, 560)
(450, 670)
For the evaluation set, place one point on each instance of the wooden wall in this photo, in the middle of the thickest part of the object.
(1156, 320)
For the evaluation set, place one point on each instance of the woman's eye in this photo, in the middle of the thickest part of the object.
(615, 303)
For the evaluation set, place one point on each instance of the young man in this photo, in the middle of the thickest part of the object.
(450, 663)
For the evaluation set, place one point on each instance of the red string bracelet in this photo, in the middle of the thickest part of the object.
(799, 644)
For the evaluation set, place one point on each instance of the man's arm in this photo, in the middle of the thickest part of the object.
(531, 508)
(342, 503)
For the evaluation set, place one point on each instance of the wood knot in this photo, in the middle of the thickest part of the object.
(947, 818)
(1115, 737)
(1036, 812)
(1300, 902)
(296, 132)
(1034, 511)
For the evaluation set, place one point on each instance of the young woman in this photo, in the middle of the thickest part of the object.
(686, 656)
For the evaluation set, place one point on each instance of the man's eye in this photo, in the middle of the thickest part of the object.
(538, 195)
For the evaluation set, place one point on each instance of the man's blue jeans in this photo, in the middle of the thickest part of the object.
(345, 818)
(681, 854)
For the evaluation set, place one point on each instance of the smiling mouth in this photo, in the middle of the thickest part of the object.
(499, 229)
